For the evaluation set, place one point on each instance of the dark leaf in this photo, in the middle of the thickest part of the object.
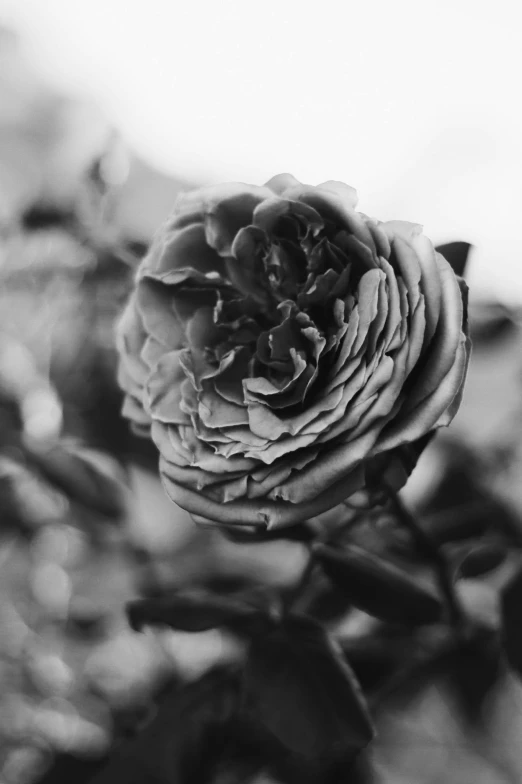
(418, 670)
(46, 215)
(86, 621)
(358, 771)
(194, 612)
(511, 609)
(379, 587)
(473, 673)
(376, 657)
(323, 601)
(67, 768)
(250, 535)
(464, 521)
(456, 254)
(392, 469)
(480, 559)
(304, 693)
(458, 484)
(182, 743)
(491, 321)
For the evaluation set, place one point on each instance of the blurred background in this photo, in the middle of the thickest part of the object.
(107, 110)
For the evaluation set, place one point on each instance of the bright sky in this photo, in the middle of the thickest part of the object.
(416, 104)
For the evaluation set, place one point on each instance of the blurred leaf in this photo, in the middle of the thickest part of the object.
(480, 559)
(303, 692)
(82, 477)
(67, 768)
(376, 657)
(379, 587)
(181, 743)
(490, 321)
(393, 468)
(249, 535)
(45, 215)
(456, 254)
(464, 521)
(323, 601)
(511, 610)
(194, 612)
(474, 670)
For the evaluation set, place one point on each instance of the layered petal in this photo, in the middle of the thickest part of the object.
(279, 345)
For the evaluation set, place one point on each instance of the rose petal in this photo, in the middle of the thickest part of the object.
(331, 467)
(225, 216)
(408, 267)
(425, 416)
(133, 410)
(152, 352)
(154, 304)
(264, 513)
(281, 182)
(346, 193)
(430, 283)
(441, 354)
(216, 412)
(269, 213)
(368, 297)
(185, 248)
(163, 390)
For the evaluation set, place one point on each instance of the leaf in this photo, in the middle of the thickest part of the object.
(377, 657)
(392, 469)
(464, 521)
(511, 613)
(475, 670)
(185, 738)
(491, 321)
(323, 601)
(479, 560)
(304, 693)
(456, 254)
(66, 767)
(194, 612)
(379, 587)
(251, 534)
(82, 475)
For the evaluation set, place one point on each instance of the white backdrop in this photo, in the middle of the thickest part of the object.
(416, 104)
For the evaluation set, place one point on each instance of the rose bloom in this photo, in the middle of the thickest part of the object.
(281, 348)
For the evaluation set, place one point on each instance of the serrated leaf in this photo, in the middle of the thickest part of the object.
(378, 586)
(480, 559)
(511, 613)
(180, 745)
(193, 612)
(456, 254)
(300, 689)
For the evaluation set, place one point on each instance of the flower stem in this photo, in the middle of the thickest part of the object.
(431, 550)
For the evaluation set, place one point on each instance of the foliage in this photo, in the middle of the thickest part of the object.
(377, 610)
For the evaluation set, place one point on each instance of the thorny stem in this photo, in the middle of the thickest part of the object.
(432, 551)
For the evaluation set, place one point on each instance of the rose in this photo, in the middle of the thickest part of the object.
(282, 349)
